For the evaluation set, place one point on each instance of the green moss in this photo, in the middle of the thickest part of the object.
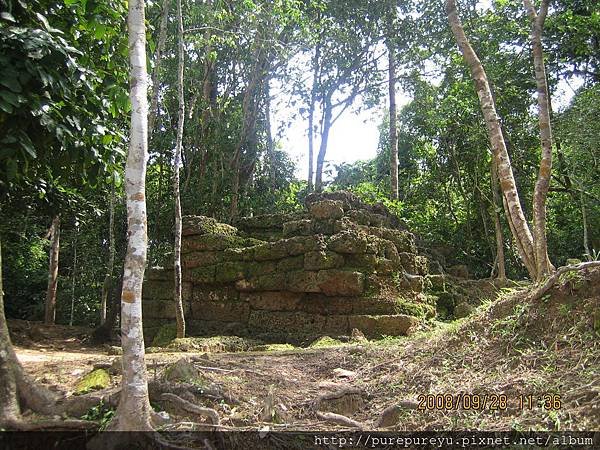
(325, 342)
(215, 344)
(165, 335)
(95, 380)
(273, 348)
(411, 308)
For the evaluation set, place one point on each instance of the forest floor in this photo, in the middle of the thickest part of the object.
(515, 364)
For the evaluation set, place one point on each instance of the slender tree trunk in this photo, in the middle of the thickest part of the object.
(543, 266)
(50, 313)
(177, 246)
(500, 258)
(513, 209)
(160, 47)
(311, 116)
(586, 236)
(327, 117)
(108, 278)
(73, 279)
(393, 113)
(134, 412)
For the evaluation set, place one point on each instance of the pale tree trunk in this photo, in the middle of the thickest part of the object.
(500, 258)
(327, 122)
(543, 266)
(134, 411)
(50, 309)
(512, 204)
(160, 47)
(108, 278)
(177, 245)
(586, 236)
(73, 278)
(393, 109)
(311, 116)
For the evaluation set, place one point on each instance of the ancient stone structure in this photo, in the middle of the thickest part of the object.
(337, 266)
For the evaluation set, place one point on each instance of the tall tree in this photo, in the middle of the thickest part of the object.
(108, 278)
(543, 266)
(176, 164)
(393, 114)
(134, 411)
(50, 308)
(512, 204)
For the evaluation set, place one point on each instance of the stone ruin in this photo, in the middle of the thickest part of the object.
(339, 265)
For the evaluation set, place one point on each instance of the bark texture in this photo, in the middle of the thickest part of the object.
(133, 412)
(543, 266)
(326, 127)
(512, 204)
(177, 163)
(160, 47)
(311, 116)
(50, 306)
(393, 112)
(500, 258)
(108, 278)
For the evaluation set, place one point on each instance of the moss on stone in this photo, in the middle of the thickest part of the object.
(93, 381)
(215, 344)
(273, 348)
(410, 308)
(324, 342)
(165, 335)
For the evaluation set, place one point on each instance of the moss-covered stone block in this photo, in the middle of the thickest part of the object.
(303, 281)
(384, 325)
(340, 282)
(290, 263)
(199, 225)
(322, 260)
(229, 272)
(221, 311)
(326, 209)
(95, 380)
(275, 301)
(270, 251)
(298, 228)
(348, 242)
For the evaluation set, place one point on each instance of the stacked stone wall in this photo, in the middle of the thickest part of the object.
(336, 266)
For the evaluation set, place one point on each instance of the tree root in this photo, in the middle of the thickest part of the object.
(51, 425)
(541, 291)
(209, 413)
(340, 420)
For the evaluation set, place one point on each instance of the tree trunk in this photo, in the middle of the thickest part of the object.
(327, 118)
(50, 310)
(311, 117)
(586, 237)
(134, 412)
(9, 403)
(393, 113)
(543, 266)
(73, 279)
(177, 246)
(108, 278)
(500, 258)
(512, 204)
(162, 37)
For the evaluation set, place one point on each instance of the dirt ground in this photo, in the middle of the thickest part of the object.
(513, 365)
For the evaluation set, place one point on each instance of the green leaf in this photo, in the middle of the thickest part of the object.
(8, 16)
(12, 83)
